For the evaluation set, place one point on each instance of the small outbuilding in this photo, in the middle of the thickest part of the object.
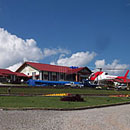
(7, 76)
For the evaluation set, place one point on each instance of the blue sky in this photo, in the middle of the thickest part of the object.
(99, 26)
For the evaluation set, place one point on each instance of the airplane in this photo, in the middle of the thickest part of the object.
(103, 76)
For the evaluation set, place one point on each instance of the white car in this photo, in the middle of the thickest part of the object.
(121, 86)
(73, 84)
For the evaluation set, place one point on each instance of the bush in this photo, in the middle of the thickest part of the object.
(75, 98)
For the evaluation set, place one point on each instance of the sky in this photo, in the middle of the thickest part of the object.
(93, 33)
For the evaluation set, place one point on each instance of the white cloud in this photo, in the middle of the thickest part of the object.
(15, 66)
(54, 51)
(100, 63)
(113, 68)
(14, 49)
(77, 59)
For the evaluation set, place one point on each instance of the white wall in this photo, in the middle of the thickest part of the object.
(28, 70)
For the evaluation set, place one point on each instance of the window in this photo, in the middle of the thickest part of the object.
(106, 73)
(93, 75)
(33, 73)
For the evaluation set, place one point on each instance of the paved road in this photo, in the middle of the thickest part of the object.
(111, 118)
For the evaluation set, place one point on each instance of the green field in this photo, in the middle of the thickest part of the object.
(54, 102)
(23, 101)
(27, 90)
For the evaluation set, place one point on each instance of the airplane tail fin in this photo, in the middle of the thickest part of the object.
(126, 74)
(125, 77)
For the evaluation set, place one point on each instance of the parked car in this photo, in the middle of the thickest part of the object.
(121, 86)
(74, 84)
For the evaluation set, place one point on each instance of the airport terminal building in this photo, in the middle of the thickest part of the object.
(53, 72)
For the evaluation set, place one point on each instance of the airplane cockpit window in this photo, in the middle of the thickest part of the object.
(93, 75)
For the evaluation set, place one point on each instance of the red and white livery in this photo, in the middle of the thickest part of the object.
(100, 76)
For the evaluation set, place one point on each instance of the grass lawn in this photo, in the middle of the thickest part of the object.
(54, 102)
(28, 90)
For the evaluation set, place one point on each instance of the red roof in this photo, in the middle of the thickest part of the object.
(6, 72)
(20, 74)
(1, 74)
(52, 68)
(47, 67)
(71, 71)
